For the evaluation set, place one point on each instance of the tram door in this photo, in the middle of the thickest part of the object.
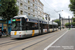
(41, 28)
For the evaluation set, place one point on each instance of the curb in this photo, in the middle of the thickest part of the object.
(3, 36)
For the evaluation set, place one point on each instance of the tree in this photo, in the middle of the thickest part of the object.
(73, 19)
(72, 6)
(57, 21)
(67, 24)
(8, 9)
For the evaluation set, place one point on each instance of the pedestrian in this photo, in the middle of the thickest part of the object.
(4, 32)
(0, 32)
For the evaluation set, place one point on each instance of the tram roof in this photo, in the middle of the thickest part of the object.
(54, 23)
(29, 17)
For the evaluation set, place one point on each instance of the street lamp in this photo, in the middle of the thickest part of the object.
(69, 21)
(59, 17)
(60, 20)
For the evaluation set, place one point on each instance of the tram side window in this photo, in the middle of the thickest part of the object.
(44, 26)
(34, 26)
(50, 26)
(31, 26)
(54, 26)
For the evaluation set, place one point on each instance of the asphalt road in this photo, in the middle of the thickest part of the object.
(67, 42)
(42, 42)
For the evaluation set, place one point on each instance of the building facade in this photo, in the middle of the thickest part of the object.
(46, 17)
(64, 21)
(30, 8)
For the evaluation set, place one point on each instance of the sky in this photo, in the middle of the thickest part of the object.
(52, 6)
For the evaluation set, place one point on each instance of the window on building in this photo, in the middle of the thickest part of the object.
(35, 1)
(33, 15)
(25, 7)
(36, 12)
(46, 18)
(21, 12)
(25, 13)
(29, 14)
(17, 3)
(31, 4)
(39, 12)
(31, 10)
(28, 8)
(39, 16)
(21, 4)
(25, 0)
(28, 2)
(36, 7)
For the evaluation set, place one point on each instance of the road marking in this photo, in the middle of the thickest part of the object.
(55, 40)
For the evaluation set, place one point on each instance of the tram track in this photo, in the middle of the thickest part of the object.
(39, 42)
(12, 42)
(44, 38)
(28, 39)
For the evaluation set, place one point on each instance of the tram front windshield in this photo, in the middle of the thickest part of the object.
(16, 26)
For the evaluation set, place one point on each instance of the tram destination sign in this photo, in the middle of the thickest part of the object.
(16, 20)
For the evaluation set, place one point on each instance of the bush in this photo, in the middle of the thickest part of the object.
(67, 24)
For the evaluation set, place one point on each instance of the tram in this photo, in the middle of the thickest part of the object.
(25, 26)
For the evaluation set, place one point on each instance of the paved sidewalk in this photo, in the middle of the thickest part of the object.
(4, 36)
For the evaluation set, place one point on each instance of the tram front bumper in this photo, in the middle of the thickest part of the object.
(17, 36)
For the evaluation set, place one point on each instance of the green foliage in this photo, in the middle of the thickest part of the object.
(67, 24)
(43, 18)
(8, 9)
(73, 19)
(72, 6)
(73, 23)
(57, 21)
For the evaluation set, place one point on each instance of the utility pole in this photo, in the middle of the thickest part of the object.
(59, 17)
(48, 21)
(60, 20)
(52, 25)
(69, 21)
